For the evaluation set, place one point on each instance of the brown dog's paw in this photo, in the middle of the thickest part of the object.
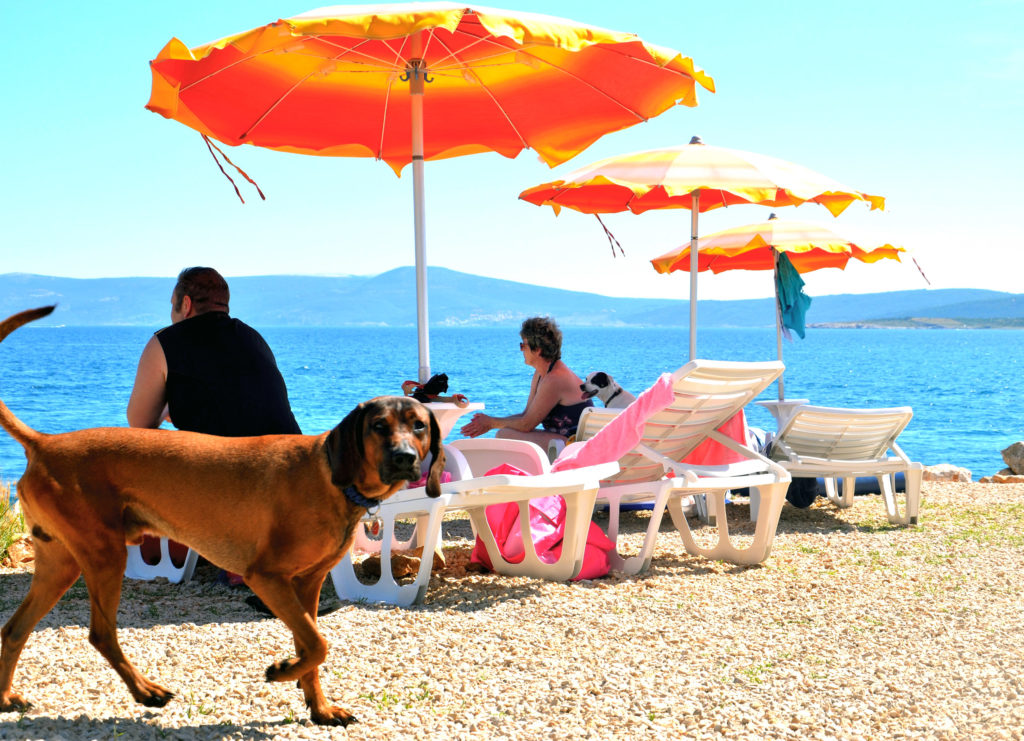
(279, 671)
(152, 695)
(333, 716)
(13, 702)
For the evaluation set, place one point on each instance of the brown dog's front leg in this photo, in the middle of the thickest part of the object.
(278, 594)
(321, 711)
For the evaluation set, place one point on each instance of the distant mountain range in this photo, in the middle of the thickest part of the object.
(460, 299)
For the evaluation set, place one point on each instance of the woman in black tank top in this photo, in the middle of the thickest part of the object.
(556, 400)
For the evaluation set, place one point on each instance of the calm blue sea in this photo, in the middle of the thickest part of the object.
(961, 383)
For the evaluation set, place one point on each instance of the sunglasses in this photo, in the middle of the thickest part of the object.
(522, 345)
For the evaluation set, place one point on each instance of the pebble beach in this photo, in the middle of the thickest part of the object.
(852, 629)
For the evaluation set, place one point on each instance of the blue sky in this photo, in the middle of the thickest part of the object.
(920, 102)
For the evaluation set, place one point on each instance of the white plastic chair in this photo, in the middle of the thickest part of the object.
(837, 443)
(137, 568)
(472, 495)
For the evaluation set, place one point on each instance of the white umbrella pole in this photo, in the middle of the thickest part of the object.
(694, 210)
(417, 72)
(778, 320)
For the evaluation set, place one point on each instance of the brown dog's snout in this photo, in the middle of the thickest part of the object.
(400, 462)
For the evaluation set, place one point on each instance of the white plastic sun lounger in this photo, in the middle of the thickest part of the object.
(706, 394)
(837, 443)
(472, 495)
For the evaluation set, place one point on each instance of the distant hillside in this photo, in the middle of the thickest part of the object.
(460, 299)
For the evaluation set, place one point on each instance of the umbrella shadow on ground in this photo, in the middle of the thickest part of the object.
(13, 726)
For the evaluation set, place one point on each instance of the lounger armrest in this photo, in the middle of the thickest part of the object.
(742, 468)
(750, 453)
(899, 453)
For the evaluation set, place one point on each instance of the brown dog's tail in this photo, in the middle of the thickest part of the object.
(14, 426)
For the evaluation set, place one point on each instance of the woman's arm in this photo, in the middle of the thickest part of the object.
(543, 397)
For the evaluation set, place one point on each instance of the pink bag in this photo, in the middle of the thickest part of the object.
(547, 529)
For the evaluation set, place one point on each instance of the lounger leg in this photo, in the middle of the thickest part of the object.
(772, 497)
(887, 488)
(675, 510)
(642, 560)
(912, 483)
(700, 504)
(387, 589)
(832, 491)
(849, 489)
(579, 510)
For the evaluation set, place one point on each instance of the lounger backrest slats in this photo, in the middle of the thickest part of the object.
(844, 434)
(707, 394)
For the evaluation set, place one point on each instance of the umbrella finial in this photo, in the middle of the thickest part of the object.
(695, 140)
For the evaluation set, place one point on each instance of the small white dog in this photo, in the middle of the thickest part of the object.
(603, 386)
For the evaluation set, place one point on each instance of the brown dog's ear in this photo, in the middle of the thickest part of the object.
(345, 447)
(433, 485)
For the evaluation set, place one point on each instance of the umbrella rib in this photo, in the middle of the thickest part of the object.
(273, 105)
(219, 70)
(387, 101)
(356, 49)
(509, 46)
(468, 69)
(525, 50)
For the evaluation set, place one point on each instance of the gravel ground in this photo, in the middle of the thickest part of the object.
(853, 629)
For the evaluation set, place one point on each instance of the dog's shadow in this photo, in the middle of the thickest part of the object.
(144, 604)
(71, 729)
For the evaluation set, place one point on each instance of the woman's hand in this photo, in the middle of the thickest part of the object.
(477, 426)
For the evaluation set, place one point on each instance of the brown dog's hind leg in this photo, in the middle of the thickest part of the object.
(55, 571)
(103, 577)
(320, 710)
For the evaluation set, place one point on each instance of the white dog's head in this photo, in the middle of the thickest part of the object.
(603, 386)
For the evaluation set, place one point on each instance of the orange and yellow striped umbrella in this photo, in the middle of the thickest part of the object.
(408, 82)
(697, 177)
(695, 174)
(808, 246)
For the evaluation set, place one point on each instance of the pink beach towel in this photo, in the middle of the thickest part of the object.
(547, 529)
(619, 436)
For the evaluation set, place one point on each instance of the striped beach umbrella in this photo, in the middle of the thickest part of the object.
(807, 246)
(698, 177)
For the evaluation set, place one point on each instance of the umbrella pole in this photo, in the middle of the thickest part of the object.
(694, 210)
(417, 73)
(778, 320)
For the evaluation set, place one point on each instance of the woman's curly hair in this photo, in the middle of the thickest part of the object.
(541, 333)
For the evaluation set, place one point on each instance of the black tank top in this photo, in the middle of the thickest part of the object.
(222, 379)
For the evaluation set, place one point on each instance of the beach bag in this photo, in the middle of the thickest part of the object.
(547, 529)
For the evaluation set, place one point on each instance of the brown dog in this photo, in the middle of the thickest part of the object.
(278, 509)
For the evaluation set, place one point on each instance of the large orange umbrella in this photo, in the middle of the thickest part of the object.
(758, 246)
(696, 176)
(408, 82)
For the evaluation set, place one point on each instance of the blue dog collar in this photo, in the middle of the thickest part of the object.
(371, 505)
